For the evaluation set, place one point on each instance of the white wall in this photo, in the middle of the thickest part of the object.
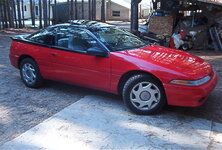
(145, 13)
(124, 12)
(27, 13)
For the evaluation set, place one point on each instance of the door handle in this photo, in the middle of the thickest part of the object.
(54, 54)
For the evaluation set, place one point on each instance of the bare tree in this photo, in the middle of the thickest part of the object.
(11, 12)
(32, 8)
(49, 3)
(40, 14)
(14, 16)
(103, 11)
(19, 13)
(69, 10)
(93, 9)
(45, 13)
(55, 17)
(82, 9)
(5, 16)
(72, 10)
(90, 9)
(23, 14)
(76, 10)
(1, 15)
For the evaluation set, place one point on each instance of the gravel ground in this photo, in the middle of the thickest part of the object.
(22, 108)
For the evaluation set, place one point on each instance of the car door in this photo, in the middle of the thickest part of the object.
(73, 65)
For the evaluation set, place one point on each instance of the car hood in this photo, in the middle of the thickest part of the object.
(178, 61)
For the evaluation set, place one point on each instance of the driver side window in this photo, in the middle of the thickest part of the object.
(75, 39)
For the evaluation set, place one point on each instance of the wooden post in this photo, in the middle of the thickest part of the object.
(134, 16)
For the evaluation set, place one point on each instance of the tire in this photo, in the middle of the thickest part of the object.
(151, 95)
(185, 47)
(30, 73)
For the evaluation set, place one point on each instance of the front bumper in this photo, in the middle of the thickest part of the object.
(189, 96)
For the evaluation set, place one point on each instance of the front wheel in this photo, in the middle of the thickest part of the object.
(144, 95)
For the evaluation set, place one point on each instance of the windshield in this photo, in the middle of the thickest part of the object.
(116, 39)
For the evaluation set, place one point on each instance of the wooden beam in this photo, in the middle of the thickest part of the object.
(134, 16)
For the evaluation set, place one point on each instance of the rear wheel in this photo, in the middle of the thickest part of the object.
(144, 95)
(30, 73)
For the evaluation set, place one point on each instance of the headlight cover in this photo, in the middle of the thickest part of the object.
(192, 82)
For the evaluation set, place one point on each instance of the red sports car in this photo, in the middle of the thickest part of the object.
(104, 57)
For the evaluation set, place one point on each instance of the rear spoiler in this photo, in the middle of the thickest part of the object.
(19, 37)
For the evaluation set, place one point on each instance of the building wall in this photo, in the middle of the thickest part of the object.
(124, 12)
(145, 13)
(27, 13)
(63, 12)
(98, 10)
(64, 8)
(79, 10)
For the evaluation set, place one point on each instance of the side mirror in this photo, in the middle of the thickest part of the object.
(96, 51)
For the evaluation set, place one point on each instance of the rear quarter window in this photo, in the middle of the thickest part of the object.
(42, 37)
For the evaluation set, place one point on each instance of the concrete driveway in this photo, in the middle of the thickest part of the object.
(97, 122)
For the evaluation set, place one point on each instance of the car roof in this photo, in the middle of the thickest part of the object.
(87, 24)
